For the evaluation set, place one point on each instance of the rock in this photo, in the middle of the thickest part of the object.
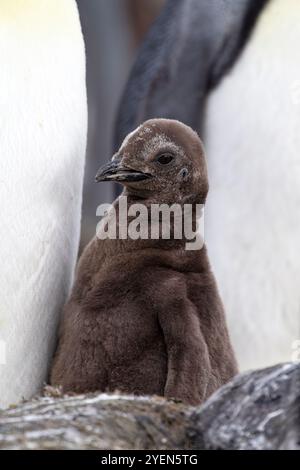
(256, 410)
(94, 421)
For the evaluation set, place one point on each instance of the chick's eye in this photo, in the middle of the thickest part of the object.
(165, 158)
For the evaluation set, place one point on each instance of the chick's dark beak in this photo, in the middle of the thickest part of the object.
(114, 171)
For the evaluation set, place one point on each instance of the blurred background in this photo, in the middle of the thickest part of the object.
(113, 31)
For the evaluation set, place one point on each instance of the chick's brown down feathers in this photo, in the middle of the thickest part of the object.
(145, 316)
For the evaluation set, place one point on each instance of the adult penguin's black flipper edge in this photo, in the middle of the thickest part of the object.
(188, 50)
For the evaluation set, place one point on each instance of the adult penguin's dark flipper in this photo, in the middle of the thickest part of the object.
(188, 50)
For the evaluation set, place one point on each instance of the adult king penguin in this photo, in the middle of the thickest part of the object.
(43, 123)
(231, 70)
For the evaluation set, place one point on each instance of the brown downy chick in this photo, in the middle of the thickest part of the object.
(145, 316)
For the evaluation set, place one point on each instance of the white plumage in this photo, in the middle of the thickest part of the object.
(43, 121)
(252, 138)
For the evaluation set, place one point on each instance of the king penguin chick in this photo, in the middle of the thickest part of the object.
(145, 316)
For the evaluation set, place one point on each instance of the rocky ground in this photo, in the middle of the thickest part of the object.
(256, 410)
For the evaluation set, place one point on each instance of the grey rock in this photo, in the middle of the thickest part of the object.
(94, 422)
(256, 410)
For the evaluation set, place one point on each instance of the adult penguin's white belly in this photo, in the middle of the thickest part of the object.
(43, 123)
(252, 138)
